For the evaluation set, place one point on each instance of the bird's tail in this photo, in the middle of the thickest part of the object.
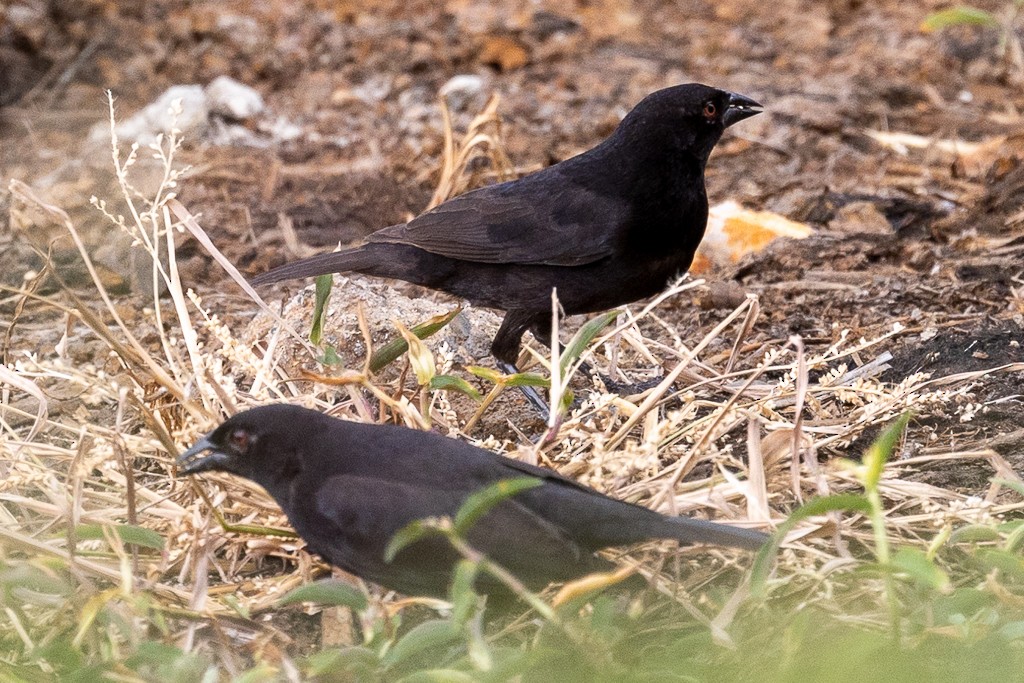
(688, 530)
(333, 262)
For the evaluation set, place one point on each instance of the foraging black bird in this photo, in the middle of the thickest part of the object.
(607, 227)
(347, 488)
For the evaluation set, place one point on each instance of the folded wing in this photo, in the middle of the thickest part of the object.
(542, 219)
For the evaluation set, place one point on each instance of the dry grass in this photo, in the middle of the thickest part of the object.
(735, 431)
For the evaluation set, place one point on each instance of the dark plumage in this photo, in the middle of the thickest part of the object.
(347, 488)
(608, 227)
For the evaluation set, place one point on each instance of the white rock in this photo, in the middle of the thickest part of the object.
(281, 129)
(233, 100)
(462, 89)
(191, 117)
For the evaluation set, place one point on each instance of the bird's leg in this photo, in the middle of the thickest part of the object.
(541, 328)
(509, 337)
(505, 348)
(542, 333)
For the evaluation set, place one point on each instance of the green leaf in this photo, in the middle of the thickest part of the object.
(259, 673)
(1011, 484)
(461, 594)
(134, 535)
(1015, 540)
(353, 660)
(330, 357)
(519, 379)
(567, 398)
(959, 16)
(881, 450)
(1013, 630)
(90, 611)
(420, 357)
(386, 354)
(1008, 563)
(974, 533)
(25, 576)
(579, 342)
(915, 564)
(853, 502)
(323, 295)
(492, 376)
(425, 636)
(1010, 526)
(481, 502)
(234, 603)
(453, 383)
(334, 592)
(477, 648)
(812, 508)
(439, 676)
(27, 596)
(407, 535)
(158, 661)
(526, 379)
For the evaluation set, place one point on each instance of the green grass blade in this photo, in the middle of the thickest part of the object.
(387, 354)
(527, 379)
(481, 502)
(407, 535)
(453, 383)
(134, 535)
(425, 636)
(881, 450)
(817, 506)
(324, 283)
(916, 564)
(959, 16)
(579, 342)
(334, 592)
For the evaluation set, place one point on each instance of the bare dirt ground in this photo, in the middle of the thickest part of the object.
(930, 237)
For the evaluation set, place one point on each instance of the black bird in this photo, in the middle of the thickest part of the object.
(347, 488)
(608, 227)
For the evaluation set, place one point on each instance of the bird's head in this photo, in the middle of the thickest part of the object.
(261, 444)
(689, 118)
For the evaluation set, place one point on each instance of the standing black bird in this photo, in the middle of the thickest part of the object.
(608, 227)
(347, 488)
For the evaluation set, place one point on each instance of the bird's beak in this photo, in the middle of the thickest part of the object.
(740, 108)
(190, 461)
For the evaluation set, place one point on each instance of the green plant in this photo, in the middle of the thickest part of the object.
(1009, 48)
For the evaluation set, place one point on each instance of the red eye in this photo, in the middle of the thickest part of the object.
(710, 110)
(239, 440)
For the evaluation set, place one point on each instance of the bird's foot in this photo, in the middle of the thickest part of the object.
(623, 388)
(538, 403)
(631, 388)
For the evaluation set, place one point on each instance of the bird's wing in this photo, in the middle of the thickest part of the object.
(367, 512)
(356, 519)
(517, 467)
(542, 219)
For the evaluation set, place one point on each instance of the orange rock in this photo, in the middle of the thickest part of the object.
(504, 52)
(734, 232)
